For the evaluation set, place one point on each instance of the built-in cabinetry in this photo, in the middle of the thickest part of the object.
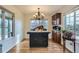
(56, 27)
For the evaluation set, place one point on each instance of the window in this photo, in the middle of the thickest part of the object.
(6, 28)
(77, 23)
(0, 28)
(72, 23)
(10, 21)
(0, 25)
(6, 23)
(35, 23)
(69, 21)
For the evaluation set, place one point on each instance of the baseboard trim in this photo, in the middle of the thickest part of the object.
(25, 39)
(49, 39)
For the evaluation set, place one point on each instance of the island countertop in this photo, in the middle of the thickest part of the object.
(37, 32)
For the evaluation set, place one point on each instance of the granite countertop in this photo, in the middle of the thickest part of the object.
(38, 31)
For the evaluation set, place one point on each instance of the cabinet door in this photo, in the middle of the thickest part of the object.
(58, 37)
(58, 18)
(54, 36)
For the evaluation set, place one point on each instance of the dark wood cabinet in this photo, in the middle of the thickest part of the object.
(56, 19)
(38, 39)
(56, 28)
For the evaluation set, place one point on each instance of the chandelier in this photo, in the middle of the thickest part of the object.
(38, 15)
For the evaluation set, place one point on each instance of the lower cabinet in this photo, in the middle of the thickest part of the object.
(56, 37)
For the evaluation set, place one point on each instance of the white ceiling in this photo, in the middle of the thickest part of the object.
(31, 9)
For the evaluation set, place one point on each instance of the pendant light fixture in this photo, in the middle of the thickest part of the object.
(38, 15)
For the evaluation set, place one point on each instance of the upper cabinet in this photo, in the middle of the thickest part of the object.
(56, 19)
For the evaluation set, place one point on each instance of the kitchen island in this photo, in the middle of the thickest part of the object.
(38, 39)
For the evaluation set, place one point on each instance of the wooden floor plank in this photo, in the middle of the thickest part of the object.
(23, 47)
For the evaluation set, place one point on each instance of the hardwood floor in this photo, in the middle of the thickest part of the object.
(23, 47)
